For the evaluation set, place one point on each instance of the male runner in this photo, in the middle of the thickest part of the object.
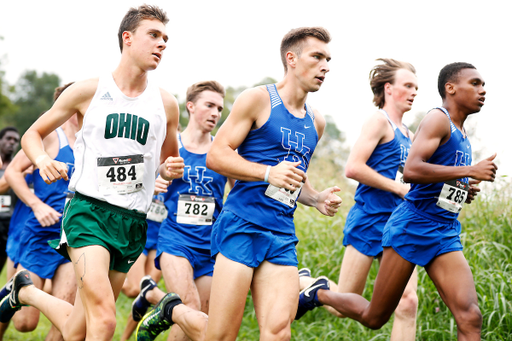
(254, 240)
(9, 141)
(194, 202)
(43, 223)
(376, 161)
(424, 229)
(127, 136)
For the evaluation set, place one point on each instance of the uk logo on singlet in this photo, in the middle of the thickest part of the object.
(197, 180)
(462, 159)
(404, 153)
(294, 144)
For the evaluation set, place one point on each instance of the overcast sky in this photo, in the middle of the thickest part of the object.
(237, 43)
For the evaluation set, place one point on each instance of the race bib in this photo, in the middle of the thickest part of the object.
(157, 211)
(5, 203)
(195, 210)
(285, 196)
(121, 174)
(400, 176)
(453, 195)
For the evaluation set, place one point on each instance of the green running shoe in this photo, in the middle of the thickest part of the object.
(154, 322)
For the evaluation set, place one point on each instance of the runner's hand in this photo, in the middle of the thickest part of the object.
(45, 215)
(173, 168)
(473, 190)
(161, 185)
(51, 170)
(328, 203)
(286, 175)
(485, 169)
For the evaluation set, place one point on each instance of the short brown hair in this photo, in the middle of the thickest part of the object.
(134, 16)
(294, 40)
(385, 73)
(59, 90)
(195, 90)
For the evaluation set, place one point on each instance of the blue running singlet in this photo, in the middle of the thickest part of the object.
(387, 159)
(283, 137)
(442, 201)
(193, 201)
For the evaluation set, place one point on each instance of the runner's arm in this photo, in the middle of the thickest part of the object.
(326, 202)
(223, 158)
(434, 131)
(372, 133)
(75, 99)
(171, 164)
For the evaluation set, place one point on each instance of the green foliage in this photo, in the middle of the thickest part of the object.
(7, 108)
(33, 95)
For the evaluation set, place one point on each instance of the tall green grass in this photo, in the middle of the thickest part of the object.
(487, 240)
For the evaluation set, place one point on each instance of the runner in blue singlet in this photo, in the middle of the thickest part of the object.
(424, 229)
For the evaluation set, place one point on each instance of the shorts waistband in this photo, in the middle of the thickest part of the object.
(103, 204)
(411, 206)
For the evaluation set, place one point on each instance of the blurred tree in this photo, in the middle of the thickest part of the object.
(33, 95)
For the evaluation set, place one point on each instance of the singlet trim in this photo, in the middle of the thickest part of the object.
(395, 127)
(275, 100)
(63, 139)
(452, 126)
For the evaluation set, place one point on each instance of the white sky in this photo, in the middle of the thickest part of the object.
(237, 43)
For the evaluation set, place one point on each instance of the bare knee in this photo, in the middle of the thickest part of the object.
(408, 306)
(469, 320)
(26, 325)
(279, 330)
(130, 291)
(375, 322)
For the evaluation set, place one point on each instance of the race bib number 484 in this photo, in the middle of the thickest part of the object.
(120, 174)
(453, 195)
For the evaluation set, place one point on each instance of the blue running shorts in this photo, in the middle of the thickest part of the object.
(152, 236)
(251, 244)
(35, 254)
(364, 231)
(200, 259)
(420, 238)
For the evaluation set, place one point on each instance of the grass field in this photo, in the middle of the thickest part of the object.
(487, 240)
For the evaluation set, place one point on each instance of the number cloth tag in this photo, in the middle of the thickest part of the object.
(69, 196)
(195, 210)
(5, 203)
(157, 211)
(453, 195)
(400, 176)
(285, 196)
(120, 174)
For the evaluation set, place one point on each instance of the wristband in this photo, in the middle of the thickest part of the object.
(267, 172)
(40, 158)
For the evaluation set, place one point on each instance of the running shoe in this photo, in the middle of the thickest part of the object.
(140, 304)
(154, 322)
(308, 298)
(304, 272)
(10, 304)
(6, 290)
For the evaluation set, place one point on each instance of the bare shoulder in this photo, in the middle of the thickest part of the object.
(170, 104)
(82, 90)
(253, 103)
(319, 122)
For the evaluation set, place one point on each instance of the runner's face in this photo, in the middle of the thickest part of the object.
(312, 65)
(207, 109)
(469, 90)
(149, 42)
(9, 143)
(404, 89)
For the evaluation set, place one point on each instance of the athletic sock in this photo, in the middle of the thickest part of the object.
(168, 309)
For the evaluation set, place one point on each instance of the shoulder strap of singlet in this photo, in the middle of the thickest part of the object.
(275, 100)
(310, 112)
(389, 119)
(180, 144)
(452, 126)
(63, 139)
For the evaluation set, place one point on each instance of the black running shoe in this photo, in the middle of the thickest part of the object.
(140, 304)
(10, 304)
(304, 272)
(308, 299)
